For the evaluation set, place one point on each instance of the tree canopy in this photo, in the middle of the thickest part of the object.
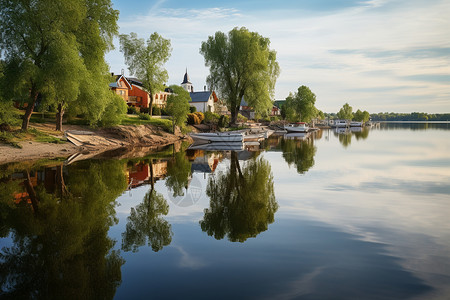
(300, 106)
(346, 112)
(145, 60)
(55, 50)
(241, 65)
(178, 105)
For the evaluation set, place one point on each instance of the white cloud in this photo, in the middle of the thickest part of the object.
(304, 43)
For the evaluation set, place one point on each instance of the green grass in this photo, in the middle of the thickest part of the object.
(10, 138)
(44, 138)
(163, 123)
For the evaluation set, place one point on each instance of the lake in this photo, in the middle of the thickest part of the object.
(337, 215)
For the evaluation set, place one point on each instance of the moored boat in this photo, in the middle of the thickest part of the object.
(219, 136)
(356, 124)
(340, 123)
(297, 127)
(218, 146)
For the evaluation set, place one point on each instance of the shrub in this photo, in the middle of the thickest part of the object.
(156, 111)
(164, 112)
(224, 120)
(192, 109)
(193, 119)
(144, 116)
(131, 110)
(211, 117)
(241, 118)
(144, 110)
(200, 115)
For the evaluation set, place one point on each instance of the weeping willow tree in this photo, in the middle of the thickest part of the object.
(54, 51)
(241, 65)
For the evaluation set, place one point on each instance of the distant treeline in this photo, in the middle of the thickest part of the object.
(415, 116)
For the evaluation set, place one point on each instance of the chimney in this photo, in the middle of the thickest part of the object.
(112, 73)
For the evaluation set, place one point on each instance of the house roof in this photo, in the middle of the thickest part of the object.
(243, 102)
(201, 96)
(118, 77)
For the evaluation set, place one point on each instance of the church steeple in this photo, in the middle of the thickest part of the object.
(186, 84)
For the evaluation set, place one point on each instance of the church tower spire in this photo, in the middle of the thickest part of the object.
(186, 84)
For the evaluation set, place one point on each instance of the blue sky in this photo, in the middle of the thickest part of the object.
(376, 55)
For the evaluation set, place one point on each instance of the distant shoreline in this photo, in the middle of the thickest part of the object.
(417, 122)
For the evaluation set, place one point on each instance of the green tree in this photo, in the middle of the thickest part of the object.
(301, 105)
(52, 48)
(242, 201)
(145, 60)
(241, 65)
(178, 105)
(345, 113)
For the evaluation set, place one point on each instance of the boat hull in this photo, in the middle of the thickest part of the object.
(218, 137)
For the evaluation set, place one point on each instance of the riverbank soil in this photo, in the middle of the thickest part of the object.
(85, 140)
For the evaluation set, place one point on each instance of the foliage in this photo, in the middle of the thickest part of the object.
(156, 111)
(178, 105)
(163, 123)
(192, 109)
(55, 50)
(143, 116)
(200, 116)
(241, 118)
(300, 106)
(192, 119)
(361, 116)
(114, 112)
(242, 201)
(9, 114)
(345, 113)
(131, 110)
(145, 60)
(211, 117)
(241, 64)
(224, 121)
(414, 116)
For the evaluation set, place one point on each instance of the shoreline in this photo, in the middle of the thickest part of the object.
(91, 143)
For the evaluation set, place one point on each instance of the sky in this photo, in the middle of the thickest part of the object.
(376, 55)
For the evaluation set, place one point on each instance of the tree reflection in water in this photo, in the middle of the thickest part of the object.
(299, 152)
(242, 201)
(60, 244)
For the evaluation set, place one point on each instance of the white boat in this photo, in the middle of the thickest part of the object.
(218, 146)
(297, 127)
(219, 136)
(340, 123)
(356, 124)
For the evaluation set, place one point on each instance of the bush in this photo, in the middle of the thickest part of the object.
(200, 115)
(131, 110)
(224, 121)
(144, 110)
(192, 109)
(156, 111)
(164, 112)
(144, 116)
(241, 118)
(193, 119)
(211, 117)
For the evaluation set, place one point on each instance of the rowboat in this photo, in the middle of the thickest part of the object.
(218, 136)
(297, 127)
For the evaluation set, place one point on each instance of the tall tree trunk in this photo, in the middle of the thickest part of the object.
(234, 114)
(59, 117)
(29, 111)
(150, 106)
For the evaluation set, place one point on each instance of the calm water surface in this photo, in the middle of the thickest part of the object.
(351, 215)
